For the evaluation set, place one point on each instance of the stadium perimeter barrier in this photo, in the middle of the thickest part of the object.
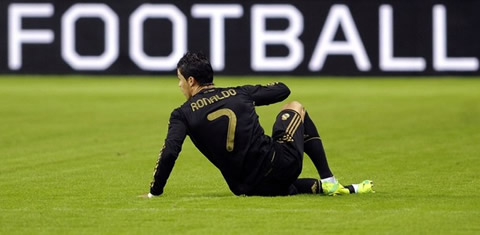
(305, 37)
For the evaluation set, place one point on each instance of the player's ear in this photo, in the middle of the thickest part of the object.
(191, 81)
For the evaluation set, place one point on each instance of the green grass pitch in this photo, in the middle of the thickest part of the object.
(76, 152)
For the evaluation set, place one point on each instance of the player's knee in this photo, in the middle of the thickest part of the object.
(297, 106)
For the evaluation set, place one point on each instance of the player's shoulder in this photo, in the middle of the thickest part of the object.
(178, 113)
(210, 97)
(247, 88)
(253, 87)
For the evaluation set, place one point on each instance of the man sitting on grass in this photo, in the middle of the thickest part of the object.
(223, 125)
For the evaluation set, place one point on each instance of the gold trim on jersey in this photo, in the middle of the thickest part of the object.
(311, 138)
(156, 166)
(200, 103)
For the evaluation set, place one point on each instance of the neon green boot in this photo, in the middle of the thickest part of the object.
(365, 186)
(333, 189)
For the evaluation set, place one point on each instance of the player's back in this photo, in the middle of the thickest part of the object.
(223, 125)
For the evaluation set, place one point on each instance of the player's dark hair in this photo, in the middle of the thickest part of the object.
(196, 65)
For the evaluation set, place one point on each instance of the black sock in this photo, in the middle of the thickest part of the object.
(314, 148)
(313, 186)
(350, 188)
(308, 185)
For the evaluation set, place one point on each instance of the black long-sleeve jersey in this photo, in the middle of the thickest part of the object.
(223, 125)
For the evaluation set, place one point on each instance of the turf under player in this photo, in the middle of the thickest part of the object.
(223, 125)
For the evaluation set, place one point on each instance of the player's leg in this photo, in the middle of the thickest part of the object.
(313, 147)
(286, 165)
(308, 186)
(315, 186)
(328, 185)
(365, 186)
(289, 134)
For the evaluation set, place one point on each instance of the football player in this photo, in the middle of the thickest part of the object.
(223, 125)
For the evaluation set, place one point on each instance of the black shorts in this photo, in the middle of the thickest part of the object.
(286, 161)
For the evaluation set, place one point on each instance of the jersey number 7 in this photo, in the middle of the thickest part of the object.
(232, 124)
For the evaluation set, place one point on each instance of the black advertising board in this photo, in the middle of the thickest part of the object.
(306, 37)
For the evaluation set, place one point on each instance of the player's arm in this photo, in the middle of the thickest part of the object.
(177, 132)
(268, 94)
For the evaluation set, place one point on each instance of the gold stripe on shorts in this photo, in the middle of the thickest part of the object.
(292, 126)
